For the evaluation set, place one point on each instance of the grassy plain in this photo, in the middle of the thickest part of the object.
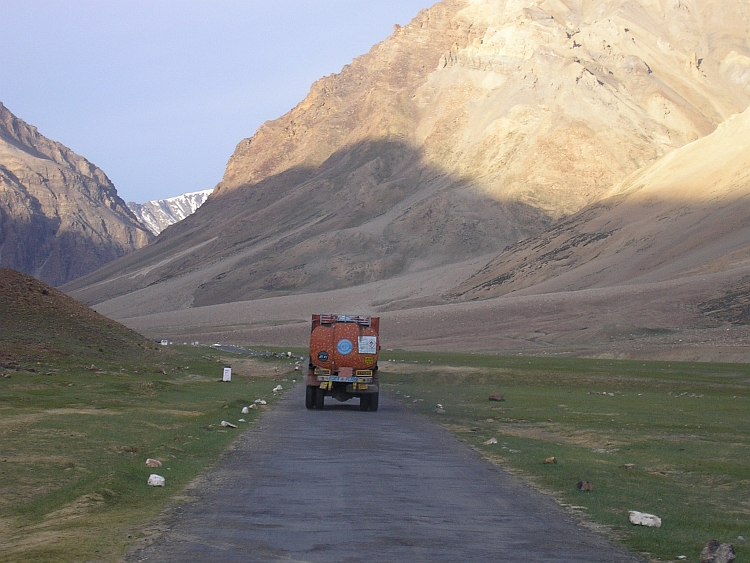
(684, 426)
(74, 439)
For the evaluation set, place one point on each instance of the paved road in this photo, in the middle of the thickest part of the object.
(340, 485)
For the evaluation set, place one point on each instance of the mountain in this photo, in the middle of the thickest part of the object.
(478, 125)
(159, 214)
(686, 215)
(60, 216)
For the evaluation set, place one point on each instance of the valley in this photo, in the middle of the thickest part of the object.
(556, 176)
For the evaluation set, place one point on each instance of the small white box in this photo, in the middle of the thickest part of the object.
(227, 373)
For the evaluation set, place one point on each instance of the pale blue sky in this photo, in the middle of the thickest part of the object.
(157, 93)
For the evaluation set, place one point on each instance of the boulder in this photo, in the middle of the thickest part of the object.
(490, 442)
(497, 397)
(153, 463)
(717, 552)
(245, 410)
(156, 480)
(550, 460)
(642, 519)
(226, 424)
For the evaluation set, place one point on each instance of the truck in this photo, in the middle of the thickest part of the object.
(343, 360)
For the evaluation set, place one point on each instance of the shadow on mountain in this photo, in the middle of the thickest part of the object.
(369, 212)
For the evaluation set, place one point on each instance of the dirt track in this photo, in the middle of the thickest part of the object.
(306, 486)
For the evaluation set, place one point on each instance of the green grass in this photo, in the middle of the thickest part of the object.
(74, 440)
(685, 426)
(77, 426)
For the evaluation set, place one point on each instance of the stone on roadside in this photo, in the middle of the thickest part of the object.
(153, 463)
(629, 465)
(490, 442)
(277, 389)
(245, 410)
(717, 552)
(226, 424)
(550, 460)
(497, 397)
(643, 519)
(155, 480)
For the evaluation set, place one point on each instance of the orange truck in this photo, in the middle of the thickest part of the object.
(343, 360)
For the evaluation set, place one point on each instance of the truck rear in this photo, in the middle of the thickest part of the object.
(343, 360)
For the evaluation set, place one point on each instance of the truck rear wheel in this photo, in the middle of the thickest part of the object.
(310, 396)
(320, 396)
(374, 399)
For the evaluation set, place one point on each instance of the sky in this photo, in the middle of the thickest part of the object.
(158, 93)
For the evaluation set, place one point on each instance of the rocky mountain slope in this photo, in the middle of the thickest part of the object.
(159, 214)
(477, 125)
(60, 216)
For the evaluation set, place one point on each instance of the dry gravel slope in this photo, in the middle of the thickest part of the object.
(683, 216)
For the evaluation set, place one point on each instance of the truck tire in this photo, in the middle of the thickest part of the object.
(320, 396)
(310, 396)
(364, 402)
(374, 399)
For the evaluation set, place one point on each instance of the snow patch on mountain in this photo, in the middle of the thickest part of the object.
(157, 215)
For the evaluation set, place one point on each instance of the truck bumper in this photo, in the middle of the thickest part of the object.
(353, 389)
(362, 388)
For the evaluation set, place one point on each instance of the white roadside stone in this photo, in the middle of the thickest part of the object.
(643, 519)
(155, 480)
(153, 463)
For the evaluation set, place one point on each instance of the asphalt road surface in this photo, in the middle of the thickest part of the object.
(340, 485)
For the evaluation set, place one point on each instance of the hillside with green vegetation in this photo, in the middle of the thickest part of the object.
(42, 324)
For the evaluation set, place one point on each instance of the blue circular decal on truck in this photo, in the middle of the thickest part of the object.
(345, 347)
(323, 356)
